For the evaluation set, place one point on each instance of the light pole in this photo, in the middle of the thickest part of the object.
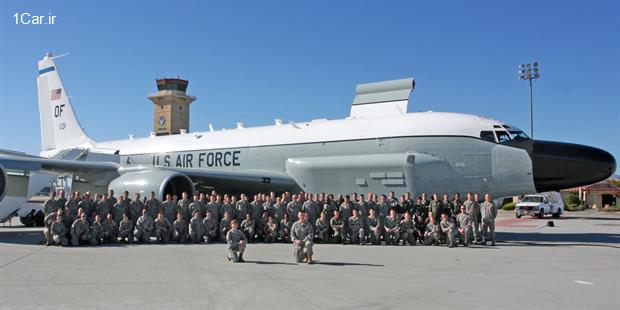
(529, 72)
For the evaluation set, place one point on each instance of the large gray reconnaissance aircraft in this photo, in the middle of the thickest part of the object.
(378, 148)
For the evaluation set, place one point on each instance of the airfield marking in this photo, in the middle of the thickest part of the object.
(515, 222)
(23, 256)
(583, 282)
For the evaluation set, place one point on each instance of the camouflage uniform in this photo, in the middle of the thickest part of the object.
(153, 206)
(337, 226)
(80, 231)
(169, 208)
(383, 209)
(214, 208)
(87, 206)
(249, 228)
(322, 230)
(437, 208)
(310, 207)
(375, 229)
(230, 209)
(285, 230)
(392, 230)
(302, 231)
(50, 206)
(408, 231)
(356, 229)
(472, 208)
(144, 228)
(233, 237)
(163, 228)
(125, 230)
(489, 213)
(241, 209)
(432, 235)
(278, 211)
(196, 229)
(449, 230)
(179, 230)
(346, 211)
(183, 208)
(210, 228)
(271, 232)
(59, 234)
(293, 209)
(110, 231)
(224, 228)
(119, 209)
(47, 229)
(329, 208)
(135, 210)
(96, 232)
(103, 208)
(71, 207)
(464, 223)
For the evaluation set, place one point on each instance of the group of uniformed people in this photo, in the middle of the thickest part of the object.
(301, 219)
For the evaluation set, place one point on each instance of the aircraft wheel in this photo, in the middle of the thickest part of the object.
(27, 221)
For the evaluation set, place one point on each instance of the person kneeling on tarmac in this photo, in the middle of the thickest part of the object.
(432, 235)
(144, 227)
(59, 232)
(236, 241)
(163, 228)
(302, 234)
(448, 229)
(80, 231)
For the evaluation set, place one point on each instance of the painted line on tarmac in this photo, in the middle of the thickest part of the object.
(23, 256)
(583, 282)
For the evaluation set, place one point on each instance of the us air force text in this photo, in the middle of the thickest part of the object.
(198, 160)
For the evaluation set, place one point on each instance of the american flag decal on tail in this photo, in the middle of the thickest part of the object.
(55, 94)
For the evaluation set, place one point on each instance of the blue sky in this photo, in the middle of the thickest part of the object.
(254, 61)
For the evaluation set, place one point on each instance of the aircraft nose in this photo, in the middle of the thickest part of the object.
(558, 165)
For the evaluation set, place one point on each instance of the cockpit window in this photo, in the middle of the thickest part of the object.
(502, 136)
(488, 136)
(518, 135)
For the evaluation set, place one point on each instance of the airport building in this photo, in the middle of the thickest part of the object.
(171, 106)
(603, 194)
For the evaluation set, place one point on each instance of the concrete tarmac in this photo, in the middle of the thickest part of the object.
(575, 265)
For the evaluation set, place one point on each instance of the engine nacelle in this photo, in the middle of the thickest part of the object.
(161, 182)
(4, 182)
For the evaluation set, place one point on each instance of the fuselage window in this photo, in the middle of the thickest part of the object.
(488, 136)
(502, 136)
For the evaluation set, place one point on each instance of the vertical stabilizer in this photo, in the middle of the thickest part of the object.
(60, 128)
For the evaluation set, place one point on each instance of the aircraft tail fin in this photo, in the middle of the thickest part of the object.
(60, 128)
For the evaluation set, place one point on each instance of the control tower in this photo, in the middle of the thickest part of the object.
(171, 113)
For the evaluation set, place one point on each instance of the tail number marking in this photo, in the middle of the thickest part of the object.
(58, 110)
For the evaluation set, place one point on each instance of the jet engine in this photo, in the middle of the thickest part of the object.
(4, 182)
(162, 182)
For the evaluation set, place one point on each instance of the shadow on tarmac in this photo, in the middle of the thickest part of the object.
(342, 264)
(566, 239)
(258, 262)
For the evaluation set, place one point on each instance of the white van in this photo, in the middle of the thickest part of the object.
(540, 205)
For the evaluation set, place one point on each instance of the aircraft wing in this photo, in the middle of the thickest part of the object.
(248, 180)
(35, 163)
